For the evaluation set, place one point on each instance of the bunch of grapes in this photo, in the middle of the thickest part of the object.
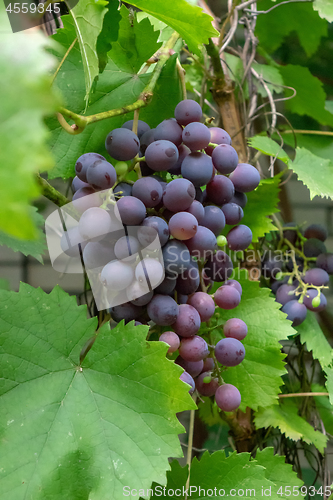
(189, 186)
(299, 280)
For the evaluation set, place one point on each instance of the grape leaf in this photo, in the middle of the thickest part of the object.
(109, 33)
(258, 377)
(318, 145)
(277, 471)
(311, 334)
(88, 21)
(176, 480)
(324, 8)
(285, 417)
(35, 248)
(273, 27)
(25, 97)
(324, 407)
(193, 25)
(71, 431)
(329, 382)
(268, 147)
(272, 77)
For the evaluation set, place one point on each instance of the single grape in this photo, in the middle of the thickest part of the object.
(122, 144)
(214, 219)
(217, 136)
(78, 184)
(206, 389)
(275, 284)
(85, 198)
(188, 111)
(192, 367)
(183, 226)
(186, 377)
(169, 130)
(131, 210)
(198, 168)
(122, 189)
(227, 397)
(202, 244)
(220, 190)
(235, 284)
(97, 254)
(172, 339)
(179, 195)
(229, 352)
(290, 234)
(188, 280)
(325, 261)
(127, 312)
(163, 310)
(295, 311)
(146, 139)
(152, 227)
(149, 270)
(235, 328)
(94, 223)
(117, 275)
(139, 294)
(227, 297)
(183, 151)
(208, 365)
(70, 241)
(121, 168)
(312, 294)
(101, 175)
(225, 159)
(313, 247)
(219, 266)
(221, 241)
(148, 190)
(233, 213)
(167, 286)
(204, 304)
(182, 299)
(188, 321)
(196, 136)
(245, 177)
(239, 237)
(142, 127)
(239, 198)
(161, 155)
(193, 348)
(272, 264)
(83, 162)
(127, 247)
(316, 277)
(197, 209)
(176, 257)
(316, 231)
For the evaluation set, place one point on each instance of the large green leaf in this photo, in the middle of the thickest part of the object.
(285, 417)
(268, 147)
(109, 32)
(258, 377)
(311, 334)
(324, 8)
(189, 21)
(317, 144)
(324, 407)
(71, 431)
(277, 470)
(329, 382)
(273, 27)
(25, 97)
(88, 21)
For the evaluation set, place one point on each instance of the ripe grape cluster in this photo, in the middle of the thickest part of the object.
(304, 275)
(189, 186)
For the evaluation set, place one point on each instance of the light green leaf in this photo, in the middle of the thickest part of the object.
(324, 407)
(88, 21)
(35, 248)
(329, 382)
(258, 377)
(271, 76)
(315, 172)
(310, 96)
(277, 471)
(25, 97)
(273, 27)
(311, 334)
(286, 418)
(71, 431)
(193, 25)
(324, 8)
(268, 147)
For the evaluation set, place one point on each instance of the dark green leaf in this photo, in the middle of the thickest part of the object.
(109, 33)
(311, 334)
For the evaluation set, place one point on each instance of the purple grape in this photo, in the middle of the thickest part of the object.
(204, 304)
(183, 226)
(167, 286)
(312, 294)
(290, 234)
(235, 284)
(245, 177)
(182, 299)
(122, 189)
(188, 111)
(229, 352)
(176, 257)
(316, 231)
(127, 247)
(295, 311)
(218, 136)
(172, 339)
(202, 244)
(188, 321)
(127, 312)
(152, 227)
(122, 144)
(233, 213)
(101, 175)
(85, 198)
(227, 297)
(183, 151)
(94, 224)
(239, 198)
(186, 377)
(188, 280)
(316, 277)
(225, 159)
(163, 310)
(131, 210)
(239, 237)
(313, 247)
(192, 367)
(78, 184)
(206, 389)
(161, 155)
(214, 219)
(117, 275)
(208, 365)
(193, 348)
(148, 190)
(70, 241)
(146, 139)
(235, 328)
(142, 127)
(227, 397)
(219, 267)
(198, 168)
(83, 162)
(283, 296)
(179, 195)
(139, 294)
(196, 136)
(325, 261)
(97, 254)
(272, 265)
(149, 270)
(197, 209)
(220, 190)
(169, 130)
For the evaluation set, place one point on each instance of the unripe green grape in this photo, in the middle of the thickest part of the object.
(279, 276)
(121, 168)
(221, 241)
(316, 301)
(207, 380)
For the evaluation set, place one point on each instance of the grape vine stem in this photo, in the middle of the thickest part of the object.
(51, 193)
(303, 394)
